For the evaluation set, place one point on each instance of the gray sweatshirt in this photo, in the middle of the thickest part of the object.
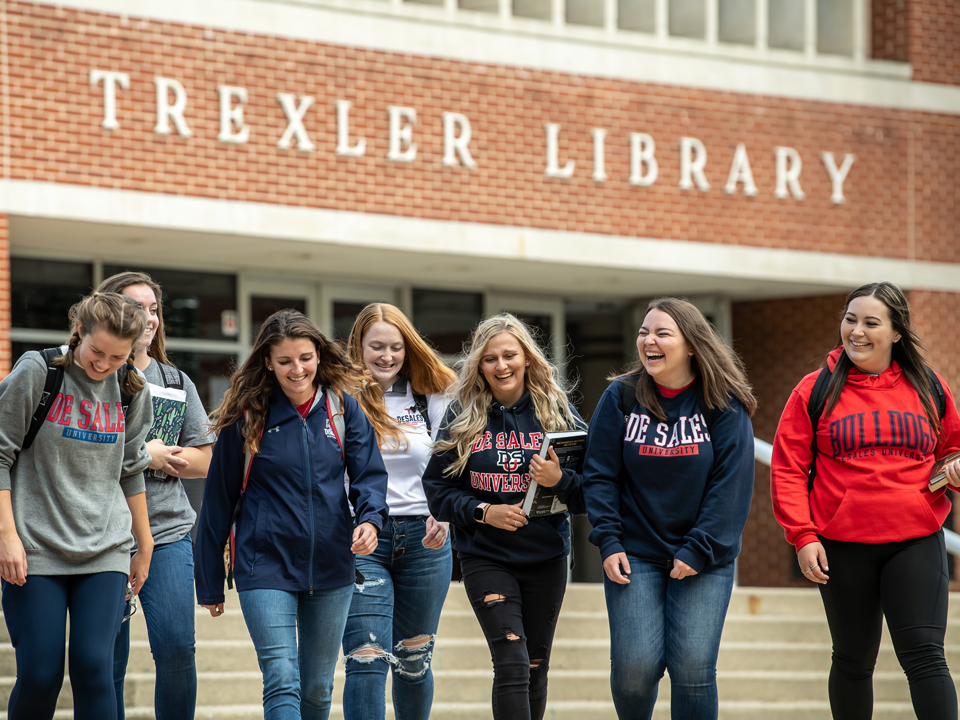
(69, 488)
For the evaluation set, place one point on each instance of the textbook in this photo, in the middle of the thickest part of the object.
(938, 476)
(570, 448)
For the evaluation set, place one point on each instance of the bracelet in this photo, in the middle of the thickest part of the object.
(483, 517)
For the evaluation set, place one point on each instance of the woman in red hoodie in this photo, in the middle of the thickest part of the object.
(867, 507)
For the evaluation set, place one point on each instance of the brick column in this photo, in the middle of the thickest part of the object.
(6, 318)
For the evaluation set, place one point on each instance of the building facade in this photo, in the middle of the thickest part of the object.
(566, 160)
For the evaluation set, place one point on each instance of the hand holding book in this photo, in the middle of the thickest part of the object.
(946, 470)
(545, 471)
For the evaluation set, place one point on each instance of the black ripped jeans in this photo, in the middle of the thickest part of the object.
(905, 582)
(517, 606)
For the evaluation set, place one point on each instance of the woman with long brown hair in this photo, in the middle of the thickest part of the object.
(180, 446)
(668, 481)
(851, 461)
(394, 615)
(71, 491)
(514, 566)
(288, 433)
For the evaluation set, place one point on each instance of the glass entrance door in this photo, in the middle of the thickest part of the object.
(263, 296)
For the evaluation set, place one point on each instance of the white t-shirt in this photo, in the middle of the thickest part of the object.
(405, 467)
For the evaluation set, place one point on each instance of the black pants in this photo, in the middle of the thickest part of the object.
(907, 583)
(517, 606)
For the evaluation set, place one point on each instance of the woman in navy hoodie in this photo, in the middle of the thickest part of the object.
(295, 538)
(668, 480)
(514, 567)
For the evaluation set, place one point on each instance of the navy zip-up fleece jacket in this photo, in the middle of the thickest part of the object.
(660, 491)
(498, 473)
(295, 530)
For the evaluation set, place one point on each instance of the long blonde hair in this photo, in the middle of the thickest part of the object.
(422, 366)
(472, 395)
(718, 368)
(118, 315)
(251, 386)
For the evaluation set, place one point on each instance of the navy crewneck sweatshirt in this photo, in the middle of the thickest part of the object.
(664, 490)
(498, 473)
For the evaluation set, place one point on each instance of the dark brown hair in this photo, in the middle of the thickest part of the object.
(718, 368)
(251, 386)
(120, 282)
(907, 352)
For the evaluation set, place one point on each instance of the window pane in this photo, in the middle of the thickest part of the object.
(538, 9)
(193, 302)
(542, 328)
(44, 290)
(344, 313)
(446, 318)
(835, 27)
(585, 12)
(637, 15)
(785, 24)
(262, 307)
(736, 21)
(688, 18)
(491, 6)
(210, 372)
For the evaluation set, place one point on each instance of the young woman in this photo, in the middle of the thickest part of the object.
(66, 508)
(295, 538)
(408, 575)
(180, 446)
(514, 567)
(867, 507)
(668, 480)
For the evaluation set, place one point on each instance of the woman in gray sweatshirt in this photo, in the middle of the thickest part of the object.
(67, 505)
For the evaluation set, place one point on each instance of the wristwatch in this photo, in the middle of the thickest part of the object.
(478, 512)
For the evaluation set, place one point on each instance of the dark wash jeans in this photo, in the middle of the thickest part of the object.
(906, 582)
(517, 606)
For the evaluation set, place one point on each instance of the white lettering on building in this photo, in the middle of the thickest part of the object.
(110, 82)
(343, 132)
(553, 153)
(599, 169)
(837, 176)
(740, 172)
(642, 149)
(457, 144)
(232, 115)
(402, 146)
(693, 158)
(294, 114)
(789, 166)
(166, 111)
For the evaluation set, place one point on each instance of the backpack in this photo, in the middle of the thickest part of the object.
(51, 390)
(628, 398)
(335, 413)
(420, 403)
(818, 402)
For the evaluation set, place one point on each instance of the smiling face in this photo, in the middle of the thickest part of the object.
(503, 364)
(868, 334)
(383, 353)
(101, 353)
(664, 351)
(148, 301)
(294, 362)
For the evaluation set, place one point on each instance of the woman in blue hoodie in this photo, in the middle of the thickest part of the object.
(295, 538)
(668, 480)
(514, 567)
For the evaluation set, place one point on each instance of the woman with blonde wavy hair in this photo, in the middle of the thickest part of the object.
(394, 615)
(514, 567)
(295, 537)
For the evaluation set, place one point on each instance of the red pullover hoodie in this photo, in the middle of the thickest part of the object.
(875, 452)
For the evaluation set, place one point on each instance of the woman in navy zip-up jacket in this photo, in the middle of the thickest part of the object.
(514, 567)
(668, 480)
(295, 538)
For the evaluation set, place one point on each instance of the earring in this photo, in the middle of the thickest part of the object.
(270, 368)
(528, 363)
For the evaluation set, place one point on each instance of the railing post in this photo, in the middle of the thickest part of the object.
(810, 28)
(610, 19)
(860, 26)
(662, 19)
(762, 19)
(712, 24)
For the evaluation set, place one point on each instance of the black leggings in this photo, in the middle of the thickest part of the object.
(907, 583)
(517, 606)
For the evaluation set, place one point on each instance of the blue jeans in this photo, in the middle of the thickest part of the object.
(297, 682)
(658, 623)
(36, 617)
(400, 602)
(167, 601)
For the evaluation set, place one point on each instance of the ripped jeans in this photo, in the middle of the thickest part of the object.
(517, 606)
(393, 623)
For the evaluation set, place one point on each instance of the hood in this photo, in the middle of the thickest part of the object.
(889, 378)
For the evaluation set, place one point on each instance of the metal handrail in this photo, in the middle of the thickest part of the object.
(763, 452)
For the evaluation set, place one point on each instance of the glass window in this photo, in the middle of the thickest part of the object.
(344, 313)
(446, 318)
(193, 302)
(785, 24)
(688, 18)
(44, 290)
(736, 21)
(637, 15)
(490, 6)
(542, 327)
(537, 9)
(835, 27)
(210, 372)
(584, 12)
(262, 307)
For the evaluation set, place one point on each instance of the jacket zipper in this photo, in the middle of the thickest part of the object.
(306, 454)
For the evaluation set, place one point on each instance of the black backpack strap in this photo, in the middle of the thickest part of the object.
(125, 397)
(628, 395)
(172, 378)
(937, 394)
(51, 388)
(420, 402)
(818, 401)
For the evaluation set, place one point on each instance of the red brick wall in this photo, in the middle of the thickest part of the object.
(6, 319)
(925, 33)
(56, 136)
(780, 341)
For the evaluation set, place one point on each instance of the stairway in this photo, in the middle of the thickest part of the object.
(773, 665)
